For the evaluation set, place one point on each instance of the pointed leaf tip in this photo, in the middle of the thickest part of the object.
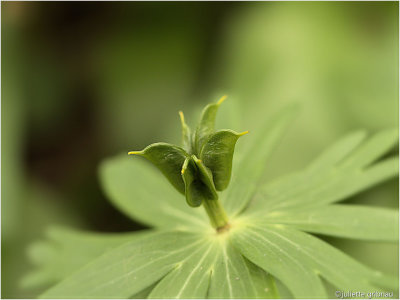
(222, 99)
(135, 152)
(182, 116)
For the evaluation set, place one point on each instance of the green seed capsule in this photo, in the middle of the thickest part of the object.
(205, 166)
(168, 159)
(199, 186)
(217, 155)
(186, 134)
(206, 124)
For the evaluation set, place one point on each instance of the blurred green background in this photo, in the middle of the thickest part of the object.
(85, 80)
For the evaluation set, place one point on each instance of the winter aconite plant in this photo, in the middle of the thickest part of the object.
(234, 236)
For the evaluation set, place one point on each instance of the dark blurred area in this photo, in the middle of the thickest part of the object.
(82, 81)
(62, 80)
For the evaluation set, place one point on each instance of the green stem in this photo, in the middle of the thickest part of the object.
(216, 213)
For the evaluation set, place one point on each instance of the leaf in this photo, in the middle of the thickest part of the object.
(168, 159)
(144, 294)
(331, 177)
(215, 270)
(248, 170)
(339, 269)
(264, 284)
(231, 277)
(191, 278)
(206, 124)
(263, 141)
(65, 251)
(283, 261)
(339, 187)
(217, 154)
(337, 152)
(143, 194)
(349, 221)
(372, 149)
(315, 257)
(129, 268)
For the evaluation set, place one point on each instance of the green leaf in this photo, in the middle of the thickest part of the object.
(335, 186)
(372, 149)
(248, 170)
(65, 251)
(261, 143)
(332, 177)
(264, 284)
(168, 159)
(206, 124)
(191, 278)
(144, 194)
(144, 294)
(231, 277)
(337, 152)
(129, 268)
(349, 221)
(292, 252)
(217, 154)
(282, 260)
(215, 270)
(339, 269)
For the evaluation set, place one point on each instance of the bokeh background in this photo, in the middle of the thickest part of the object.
(82, 81)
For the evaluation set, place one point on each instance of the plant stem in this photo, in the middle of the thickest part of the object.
(216, 213)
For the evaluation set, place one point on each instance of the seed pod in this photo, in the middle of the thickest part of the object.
(217, 155)
(168, 159)
(206, 125)
(205, 175)
(186, 134)
(206, 165)
(199, 186)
